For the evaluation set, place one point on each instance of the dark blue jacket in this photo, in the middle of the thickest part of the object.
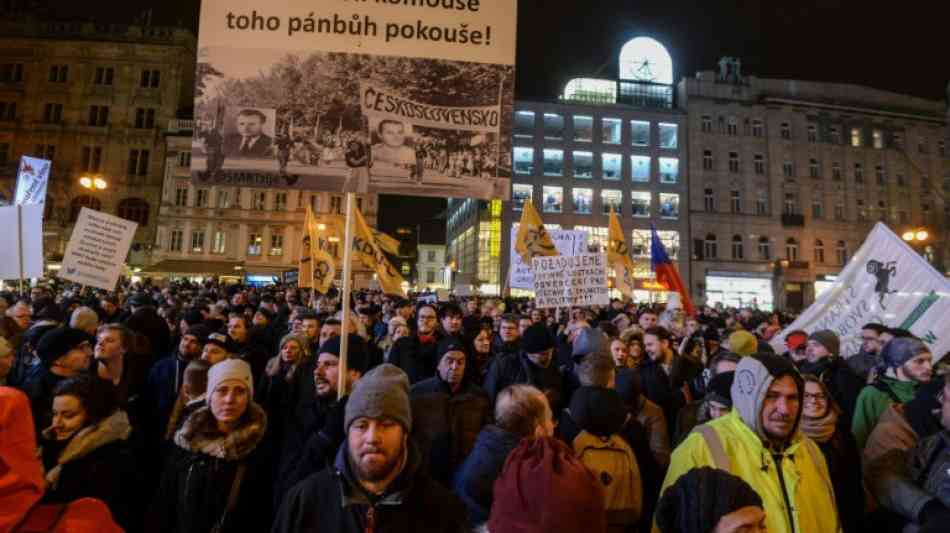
(475, 479)
(164, 380)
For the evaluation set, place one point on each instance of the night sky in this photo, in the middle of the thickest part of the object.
(896, 47)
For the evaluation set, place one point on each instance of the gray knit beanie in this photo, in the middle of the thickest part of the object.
(899, 350)
(382, 392)
(828, 339)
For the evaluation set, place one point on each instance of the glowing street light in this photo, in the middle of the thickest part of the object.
(918, 235)
(921, 235)
(96, 183)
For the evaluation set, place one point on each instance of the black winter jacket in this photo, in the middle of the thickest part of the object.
(474, 481)
(841, 381)
(418, 360)
(511, 369)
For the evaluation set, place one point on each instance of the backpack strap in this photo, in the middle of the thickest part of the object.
(41, 519)
(720, 459)
(232, 497)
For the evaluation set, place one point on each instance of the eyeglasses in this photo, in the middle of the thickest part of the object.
(426, 317)
(869, 339)
(817, 398)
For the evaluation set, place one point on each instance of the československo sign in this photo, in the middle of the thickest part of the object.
(96, 252)
(886, 282)
(391, 96)
(567, 242)
(562, 281)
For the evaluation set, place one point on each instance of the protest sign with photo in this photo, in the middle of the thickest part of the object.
(96, 252)
(567, 242)
(391, 96)
(563, 281)
(23, 232)
(31, 180)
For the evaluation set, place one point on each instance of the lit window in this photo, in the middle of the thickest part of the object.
(877, 137)
(218, 242)
(641, 239)
(669, 205)
(276, 243)
(856, 137)
(583, 128)
(610, 130)
(791, 249)
(668, 135)
(640, 168)
(591, 90)
(553, 126)
(524, 160)
(175, 241)
(583, 164)
(669, 169)
(583, 198)
(259, 200)
(640, 133)
(612, 166)
(553, 199)
(254, 243)
(197, 241)
(611, 200)
(640, 201)
(553, 162)
(520, 193)
(524, 123)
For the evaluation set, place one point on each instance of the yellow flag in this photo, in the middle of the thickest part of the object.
(305, 266)
(368, 250)
(387, 243)
(618, 255)
(323, 269)
(532, 239)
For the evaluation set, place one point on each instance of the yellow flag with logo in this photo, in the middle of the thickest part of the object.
(532, 240)
(305, 265)
(367, 248)
(323, 265)
(618, 255)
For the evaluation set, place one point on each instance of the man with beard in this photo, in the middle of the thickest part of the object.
(416, 354)
(534, 365)
(760, 442)
(664, 375)
(866, 360)
(907, 364)
(377, 482)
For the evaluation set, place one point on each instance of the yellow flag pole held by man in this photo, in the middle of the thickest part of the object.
(618, 255)
(323, 265)
(532, 240)
(305, 266)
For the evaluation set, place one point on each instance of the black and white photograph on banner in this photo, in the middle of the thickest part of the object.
(335, 121)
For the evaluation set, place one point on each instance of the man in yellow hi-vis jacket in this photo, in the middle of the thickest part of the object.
(760, 442)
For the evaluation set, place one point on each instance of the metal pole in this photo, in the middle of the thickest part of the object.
(19, 243)
(345, 298)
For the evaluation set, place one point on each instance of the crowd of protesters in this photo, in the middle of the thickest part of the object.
(204, 408)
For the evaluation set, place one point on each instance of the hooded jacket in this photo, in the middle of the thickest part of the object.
(795, 477)
(873, 401)
(475, 479)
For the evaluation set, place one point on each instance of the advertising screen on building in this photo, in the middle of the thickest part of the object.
(388, 96)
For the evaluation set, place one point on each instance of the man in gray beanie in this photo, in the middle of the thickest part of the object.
(377, 481)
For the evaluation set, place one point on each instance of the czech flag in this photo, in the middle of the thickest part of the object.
(666, 272)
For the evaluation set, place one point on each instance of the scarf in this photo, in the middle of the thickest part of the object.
(820, 429)
(427, 339)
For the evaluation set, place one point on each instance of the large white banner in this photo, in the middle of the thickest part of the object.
(30, 231)
(887, 282)
(31, 180)
(96, 252)
(563, 281)
(567, 242)
(407, 97)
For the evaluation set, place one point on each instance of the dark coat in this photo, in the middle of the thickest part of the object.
(445, 425)
(161, 391)
(260, 148)
(475, 479)
(255, 353)
(666, 390)
(928, 466)
(38, 386)
(844, 467)
(511, 369)
(333, 501)
(317, 453)
(416, 359)
(841, 381)
(198, 476)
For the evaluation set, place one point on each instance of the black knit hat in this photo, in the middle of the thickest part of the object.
(537, 339)
(700, 498)
(598, 410)
(719, 388)
(356, 358)
(450, 344)
(57, 342)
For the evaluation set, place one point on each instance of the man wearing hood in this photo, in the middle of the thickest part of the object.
(760, 442)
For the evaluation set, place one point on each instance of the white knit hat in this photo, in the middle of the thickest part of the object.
(230, 369)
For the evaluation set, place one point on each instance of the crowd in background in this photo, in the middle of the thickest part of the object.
(206, 408)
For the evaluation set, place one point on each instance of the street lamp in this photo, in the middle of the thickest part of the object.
(916, 235)
(93, 183)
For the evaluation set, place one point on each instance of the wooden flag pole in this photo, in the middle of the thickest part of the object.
(345, 297)
(19, 243)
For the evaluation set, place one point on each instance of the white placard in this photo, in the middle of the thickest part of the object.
(31, 230)
(562, 281)
(31, 180)
(567, 242)
(442, 295)
(97, 249)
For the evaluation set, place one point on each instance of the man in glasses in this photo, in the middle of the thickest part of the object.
(865, 360)
(416, 354)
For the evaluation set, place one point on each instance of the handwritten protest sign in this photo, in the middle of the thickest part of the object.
(97, 249)
(567, 242)
(561, 281)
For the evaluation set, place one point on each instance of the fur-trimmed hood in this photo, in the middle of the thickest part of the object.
(200, 434)
(89, 439)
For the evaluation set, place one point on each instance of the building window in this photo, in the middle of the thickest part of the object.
(611, 201)
(553, 199)
(706, 124)
(758, 161)
(553, 126)
(583, 198)
(7, 110)
(836, 171)
(138, 162)
(524, 124)
(669, 206)
(219, 242)
(710, 247)
(819, 251)
(788, 169)
(524, 160)
(280, 201)
(612, 166)
(839, 210)
(877, 139)
(880, 175)
(758, 128)
(862, 211)
(791, 249)
(150, 79)
(786, 130)
(610, 130)
(814, 169)
(201, 198)
(709, 200)
(669, 169)
(791, 203)
(812, 133)
(175, 241)
(553, 162)
(640, 168)
(336, 205)
(640, 133)
(520, 193)
(259, 200)
(430, 256)
(765, 252)
(197, 241)
(52, 113)
(735, 201)
(276, 243)
(834, 135)
(817, 207)
(762, 203)
(856, 137)
(734, 162)
(184, 159)
(430, 276)
(668, 136)
(224, 199)
(134, 209)
(254, 243)
(58, 73)
(898, 140)
(738, 250)
(104, 76)
(858, 173)
(45, 151)
(181, 196)
(98, 115)
(144, 118)
(707, 160)
(732, 127)
(11, 72)
(841, 253)
(583, 128)
(640, 203)
(583, 164)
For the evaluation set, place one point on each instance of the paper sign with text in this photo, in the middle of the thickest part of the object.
(31, 231)
(97, 249)
(562, 281)
(567, 242)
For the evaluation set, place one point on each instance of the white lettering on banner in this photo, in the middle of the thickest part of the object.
(96, 252)
(564, 281)
(886, 282)
(567, 242)
(32, 180)
(383, 103)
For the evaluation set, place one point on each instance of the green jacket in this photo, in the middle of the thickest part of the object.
(872, 402)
